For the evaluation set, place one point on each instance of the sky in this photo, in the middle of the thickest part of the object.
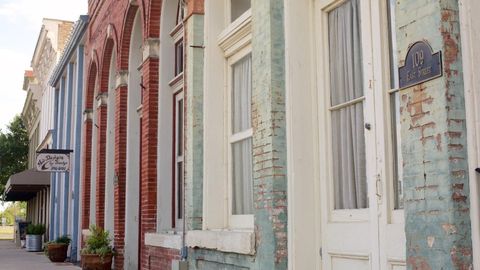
(20, 24)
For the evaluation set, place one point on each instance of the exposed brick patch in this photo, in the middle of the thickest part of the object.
(160, 258)
(434, 145)
(418, 263)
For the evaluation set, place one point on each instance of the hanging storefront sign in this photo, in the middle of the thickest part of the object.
(421, 65)
(50, 160)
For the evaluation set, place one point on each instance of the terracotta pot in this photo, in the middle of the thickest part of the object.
(96, 262)
(57, 252)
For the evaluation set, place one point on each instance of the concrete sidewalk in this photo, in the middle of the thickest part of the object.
(13, 258)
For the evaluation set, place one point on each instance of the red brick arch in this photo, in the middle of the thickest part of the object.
(87, 146)
(124, 49)
(102, 131)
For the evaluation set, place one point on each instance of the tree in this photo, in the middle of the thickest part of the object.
(17, 209)
(13, 150)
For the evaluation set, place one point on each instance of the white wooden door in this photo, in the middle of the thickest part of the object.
(356, 235)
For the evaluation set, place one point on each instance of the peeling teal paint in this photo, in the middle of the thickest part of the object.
(194, 127)
(269, 143)
(434, 143)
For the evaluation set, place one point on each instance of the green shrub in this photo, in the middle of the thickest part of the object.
(62, 240)
(98, 242)
(38, 229)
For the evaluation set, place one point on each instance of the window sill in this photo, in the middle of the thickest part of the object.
(164, 240)
(241, 242)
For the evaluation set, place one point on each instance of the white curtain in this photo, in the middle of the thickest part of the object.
(349, 163)
(242, 175)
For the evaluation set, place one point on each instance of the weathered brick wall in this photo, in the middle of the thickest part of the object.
(110, 29)
(101, 126)
(160, 258)
(269, 139)
(193, 93)
(64, 30)
(148, 203)
(434, 145)
(269, 149)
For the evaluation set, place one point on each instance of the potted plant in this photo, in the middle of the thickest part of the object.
(56, 250)
(97, 253)
(34, 237)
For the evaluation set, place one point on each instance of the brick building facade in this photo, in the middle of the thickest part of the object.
(169, 141)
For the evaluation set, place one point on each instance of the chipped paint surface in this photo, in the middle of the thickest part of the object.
(269, 151)
(434, 143)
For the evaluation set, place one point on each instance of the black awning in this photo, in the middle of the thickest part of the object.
(24, 186)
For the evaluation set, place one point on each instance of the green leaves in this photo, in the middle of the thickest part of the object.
(13, 150)
(38, 229)
(98, 242)
(63, 240)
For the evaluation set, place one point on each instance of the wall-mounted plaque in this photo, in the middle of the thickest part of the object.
(421, 65)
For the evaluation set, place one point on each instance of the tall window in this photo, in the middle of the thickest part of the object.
(241, 137)
(180, 12)
(394, 99)
(179, 57)
(178, 120)
(346, 107)
(177, 36)
(178, 158)
(228, 165)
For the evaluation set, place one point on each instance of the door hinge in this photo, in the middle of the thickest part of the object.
(378, 186)
(321, 253)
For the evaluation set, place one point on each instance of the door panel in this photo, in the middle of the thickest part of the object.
(350, 261)
(366, 237)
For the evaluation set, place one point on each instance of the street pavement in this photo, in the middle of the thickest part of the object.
(13, 258)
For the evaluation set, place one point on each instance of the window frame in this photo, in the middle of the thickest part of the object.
(223, 43)
(179, 67)
(178, 223)
(325, 110)
(235, 221)
(396, 216)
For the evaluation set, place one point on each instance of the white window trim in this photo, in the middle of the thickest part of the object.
(237, 35)
(235, 221)
(232, 44)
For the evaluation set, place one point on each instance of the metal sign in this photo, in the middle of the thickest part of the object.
(49, 160)
(421, 65)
